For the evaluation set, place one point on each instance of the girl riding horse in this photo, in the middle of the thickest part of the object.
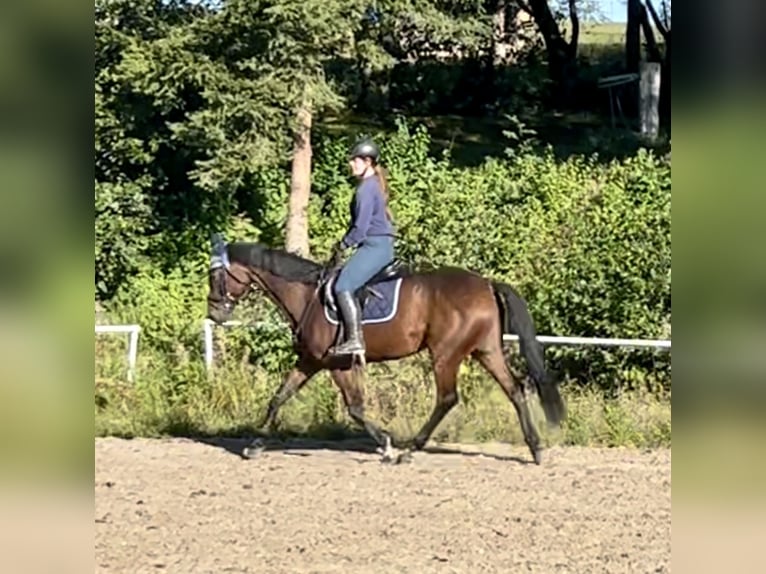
(371, 232)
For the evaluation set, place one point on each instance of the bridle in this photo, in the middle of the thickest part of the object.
(228, 301)
(225, 296)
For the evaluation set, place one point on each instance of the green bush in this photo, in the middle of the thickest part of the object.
(586, 242)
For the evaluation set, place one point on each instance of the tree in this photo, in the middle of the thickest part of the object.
(287, 44)
(663, 26)
(633, 36)
(562, 54)
(142, 186)
(395, 32)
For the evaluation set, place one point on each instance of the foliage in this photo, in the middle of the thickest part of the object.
(193, 106)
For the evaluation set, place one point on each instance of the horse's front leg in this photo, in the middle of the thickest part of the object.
(296, 377)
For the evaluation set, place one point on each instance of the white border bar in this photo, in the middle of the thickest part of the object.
(134, 330)
(207, 334)
(545, 339)
(597, 341)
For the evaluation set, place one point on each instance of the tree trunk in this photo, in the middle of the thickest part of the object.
(633, 37)
(665, 114)
(297, 231)
(562, 55)
(662, 27)
(562, 68)
(652, 50)
(492, 59)
(499, 44)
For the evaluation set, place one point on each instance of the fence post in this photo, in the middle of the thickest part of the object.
(207, 329)
(133, 332)
(133, 353)
(649, 99)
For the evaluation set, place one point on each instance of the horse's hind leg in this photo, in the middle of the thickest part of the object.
(494, 361)
(354, 400)
(445, 371)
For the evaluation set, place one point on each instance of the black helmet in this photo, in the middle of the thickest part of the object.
(365, 148)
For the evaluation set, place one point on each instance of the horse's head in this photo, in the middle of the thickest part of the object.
(228, 282)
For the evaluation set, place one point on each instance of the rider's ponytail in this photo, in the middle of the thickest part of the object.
(381, 173)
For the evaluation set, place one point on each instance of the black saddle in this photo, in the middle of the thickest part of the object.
(391, 270)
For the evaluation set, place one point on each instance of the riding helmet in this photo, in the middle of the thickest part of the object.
(365, 148)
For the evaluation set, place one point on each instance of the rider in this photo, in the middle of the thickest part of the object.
(371, 231)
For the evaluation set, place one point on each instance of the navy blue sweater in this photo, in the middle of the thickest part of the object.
(368, 213)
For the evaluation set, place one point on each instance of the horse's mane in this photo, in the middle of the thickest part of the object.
(278, 262)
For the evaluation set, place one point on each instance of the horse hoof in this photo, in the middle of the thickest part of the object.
(404, 458)
(401, 458)
(253, 449)
(538, 456)
(387, 451)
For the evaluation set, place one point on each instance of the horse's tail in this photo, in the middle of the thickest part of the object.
(517, 320)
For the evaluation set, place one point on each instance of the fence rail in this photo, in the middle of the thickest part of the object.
(134, 331)
(208, 327)
(597, 341)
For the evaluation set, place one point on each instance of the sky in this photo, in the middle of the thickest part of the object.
(617, 10)
(613, 10)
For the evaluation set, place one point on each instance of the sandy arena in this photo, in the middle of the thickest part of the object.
(187, 507)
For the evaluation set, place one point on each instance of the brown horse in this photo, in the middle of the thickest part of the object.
(451, 312)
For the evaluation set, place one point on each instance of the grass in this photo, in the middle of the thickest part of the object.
(601, 33)
(183, 401)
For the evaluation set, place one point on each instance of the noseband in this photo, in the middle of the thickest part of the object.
(228, 299)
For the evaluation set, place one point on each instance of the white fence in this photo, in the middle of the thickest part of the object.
(208, 326)
(545, 339)
(133, 330)
(207, 334)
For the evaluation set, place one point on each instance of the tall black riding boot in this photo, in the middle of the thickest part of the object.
(352, 322)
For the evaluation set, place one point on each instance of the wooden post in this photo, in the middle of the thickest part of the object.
(297, 228)
(649, 99)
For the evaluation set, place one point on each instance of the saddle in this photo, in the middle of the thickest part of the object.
(391, 270)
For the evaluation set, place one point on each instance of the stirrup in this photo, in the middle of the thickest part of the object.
(348, 348)
(357, 352)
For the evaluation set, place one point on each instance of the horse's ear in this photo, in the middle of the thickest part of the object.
(218, 256)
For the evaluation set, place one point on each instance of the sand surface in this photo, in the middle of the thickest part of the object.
(184, 506)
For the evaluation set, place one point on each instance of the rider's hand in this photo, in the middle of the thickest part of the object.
(337, 255)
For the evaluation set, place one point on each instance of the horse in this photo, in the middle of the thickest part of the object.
(451, 312)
